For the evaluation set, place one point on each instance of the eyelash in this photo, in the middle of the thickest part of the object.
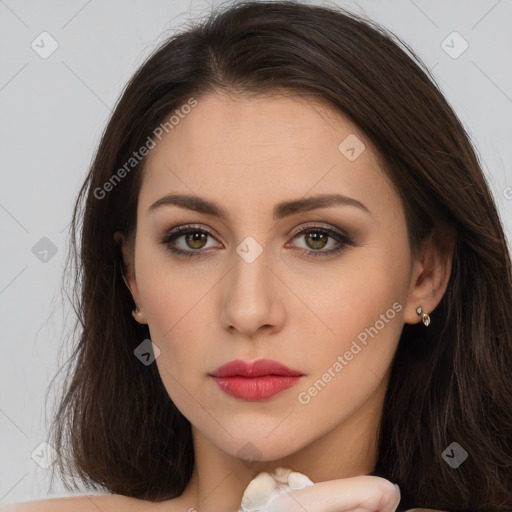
(179, 231)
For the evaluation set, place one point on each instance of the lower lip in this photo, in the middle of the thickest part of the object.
(256, 389)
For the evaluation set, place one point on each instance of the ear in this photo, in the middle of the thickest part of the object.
(431, 272)
(128, 269)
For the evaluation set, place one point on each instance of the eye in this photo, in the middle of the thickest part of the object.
(317, 238)
(196, 239)
(193, 238)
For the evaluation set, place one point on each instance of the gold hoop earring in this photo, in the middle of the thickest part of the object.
(425, 318)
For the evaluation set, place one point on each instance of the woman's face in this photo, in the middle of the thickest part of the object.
(251, 289)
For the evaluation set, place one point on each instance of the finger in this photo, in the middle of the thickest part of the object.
(370, 493)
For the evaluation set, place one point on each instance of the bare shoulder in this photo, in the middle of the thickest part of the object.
(93, 503)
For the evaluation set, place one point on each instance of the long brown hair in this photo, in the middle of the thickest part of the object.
(116, 428)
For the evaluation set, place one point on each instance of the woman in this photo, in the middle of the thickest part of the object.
(289, 258)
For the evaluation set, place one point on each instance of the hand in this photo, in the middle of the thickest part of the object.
(356, 494)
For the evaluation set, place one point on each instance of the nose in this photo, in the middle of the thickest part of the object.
(253, 297)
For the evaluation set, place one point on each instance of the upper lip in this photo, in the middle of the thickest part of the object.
(255, 368)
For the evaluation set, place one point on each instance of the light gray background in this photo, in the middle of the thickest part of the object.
(53, 111)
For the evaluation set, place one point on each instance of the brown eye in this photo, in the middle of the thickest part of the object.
(194, 238)
(316, 239)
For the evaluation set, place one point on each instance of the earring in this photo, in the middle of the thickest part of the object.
(136, 311)
(425, 318)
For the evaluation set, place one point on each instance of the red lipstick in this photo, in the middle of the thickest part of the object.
(256, 380)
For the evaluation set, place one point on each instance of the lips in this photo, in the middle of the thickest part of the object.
(255, 381)
(257, 368)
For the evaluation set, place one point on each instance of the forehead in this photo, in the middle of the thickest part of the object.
(300, 123)
(260, 148)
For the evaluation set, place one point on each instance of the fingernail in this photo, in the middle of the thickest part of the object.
(397, 488)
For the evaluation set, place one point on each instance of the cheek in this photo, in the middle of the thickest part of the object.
(347, 367)
(360, 290)
(177, 329)
(170, 290)
(177, 325)
(365, 329)
(362, 305)
(173, 307)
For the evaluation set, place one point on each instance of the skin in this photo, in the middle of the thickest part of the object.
(247, 155)
(304, 311)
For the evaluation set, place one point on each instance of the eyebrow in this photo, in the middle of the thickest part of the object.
(283, 209)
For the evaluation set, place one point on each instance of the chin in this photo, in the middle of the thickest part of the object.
(254, 449)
